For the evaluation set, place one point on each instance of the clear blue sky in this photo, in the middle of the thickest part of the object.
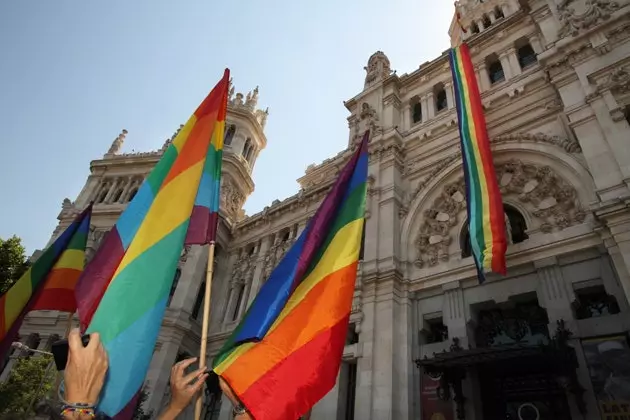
(73, 74)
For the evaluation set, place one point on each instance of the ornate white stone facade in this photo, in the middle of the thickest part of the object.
(555, 82)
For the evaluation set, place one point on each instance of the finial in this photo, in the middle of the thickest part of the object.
(230, 90)
(117, 143)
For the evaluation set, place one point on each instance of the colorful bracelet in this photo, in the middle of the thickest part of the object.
(68, 409)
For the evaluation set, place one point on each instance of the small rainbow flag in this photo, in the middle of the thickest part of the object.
(35, 284)
(58, 291)
(285, 354)
(485, 206)
(123, 291)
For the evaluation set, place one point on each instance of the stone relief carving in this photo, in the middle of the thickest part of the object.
(274, 255)
(618, 81)
(378, 68)
(368, 120)
(435, 235)
(570, 146)
(549, 197)
(243, 268)
(231, 199)
(577, 15)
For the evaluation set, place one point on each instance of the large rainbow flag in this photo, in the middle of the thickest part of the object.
(36, 288)
(285, 354)
(484, 204)
(123, 292)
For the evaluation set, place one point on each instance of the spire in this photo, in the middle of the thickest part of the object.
(117, 143)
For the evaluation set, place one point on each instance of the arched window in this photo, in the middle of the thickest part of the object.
(246, 147)
(132, 194)
(516, 228)
(495, 69)
(498, 13)
(526, 55)
(178, 274)
(440, 99)
(239, 301)
(416, 113)
(229, 134)
(117, 195)
(103, 194)
(486, 21)
(474, 28)
(198, 301)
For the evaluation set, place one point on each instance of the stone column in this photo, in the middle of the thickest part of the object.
(454, 312)
(425, 107)
(159, 373)
(97, 191)
(430, 105)
(128, 185)
(493, 17)
(534, 41)
(554, 294)
(484, 78)
(448, 88)
(191, 278)
(406, 117)
(258, 279)
(112, 190)
(505, 63)
(505, 8)
(326, 408)
(481, 25)
(617, 139)
(618, 223)
(515, 66)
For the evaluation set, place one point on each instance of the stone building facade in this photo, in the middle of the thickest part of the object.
(554, 77)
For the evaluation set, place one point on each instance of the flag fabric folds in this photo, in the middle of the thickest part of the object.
(285, 354)
(484, 203)
(57, 293)
(123, 292)
(58, 257)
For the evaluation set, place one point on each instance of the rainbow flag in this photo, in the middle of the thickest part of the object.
(57, 294)
(285, 354)
(484, 204)
(123, 291)
(34, 285)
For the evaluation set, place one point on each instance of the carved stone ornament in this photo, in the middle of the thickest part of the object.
(549, 198)
(618, 81)
(117, 143)
(243, 268)
(231, 199)
(275, 253)
(577, 15)
(378, 68)
(368, 120)
(570, 146)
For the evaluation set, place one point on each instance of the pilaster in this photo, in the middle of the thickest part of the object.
(484, 79)
(158, 378)
(191, 278)
(258, 279)
(554, 294)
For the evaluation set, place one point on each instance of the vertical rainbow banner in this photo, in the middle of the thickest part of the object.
(122, 293)
(285, 354)
(27, 291)
(486, 218)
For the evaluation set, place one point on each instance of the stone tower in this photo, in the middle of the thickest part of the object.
(474, 16)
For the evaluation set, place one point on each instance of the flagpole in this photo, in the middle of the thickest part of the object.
(205, 322)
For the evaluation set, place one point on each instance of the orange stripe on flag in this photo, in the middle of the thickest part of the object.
(328, 299)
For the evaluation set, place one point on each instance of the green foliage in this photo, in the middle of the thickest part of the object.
(12, 262)
(31, 379)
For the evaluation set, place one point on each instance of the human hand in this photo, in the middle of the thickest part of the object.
(227, 391)
(85, 372)
(184, 387)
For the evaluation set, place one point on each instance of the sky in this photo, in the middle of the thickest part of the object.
(74, 74)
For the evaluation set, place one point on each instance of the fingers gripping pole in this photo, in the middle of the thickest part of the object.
(205, 323)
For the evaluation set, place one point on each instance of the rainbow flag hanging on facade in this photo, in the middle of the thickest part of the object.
(123, 292)
(285, 354)
(484, 203)
(34, 286)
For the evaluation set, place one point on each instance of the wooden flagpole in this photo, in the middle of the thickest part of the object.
(206, 322)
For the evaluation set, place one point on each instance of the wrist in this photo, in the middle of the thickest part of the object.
(171, 412)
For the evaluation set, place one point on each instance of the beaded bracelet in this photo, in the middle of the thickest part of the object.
(67, 409)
